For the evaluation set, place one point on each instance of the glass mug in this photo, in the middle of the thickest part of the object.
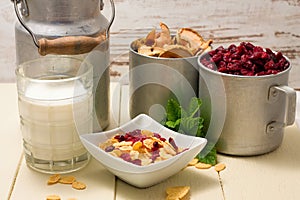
(55, 106)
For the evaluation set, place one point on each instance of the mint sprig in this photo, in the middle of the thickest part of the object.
(188, 121)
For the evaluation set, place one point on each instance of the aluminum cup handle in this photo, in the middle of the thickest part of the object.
(290, 96)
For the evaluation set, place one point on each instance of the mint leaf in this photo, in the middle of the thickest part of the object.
(208, 155)
(190, 125)
(173, 110)
(194, 106)
(173, 125)
(188, 121)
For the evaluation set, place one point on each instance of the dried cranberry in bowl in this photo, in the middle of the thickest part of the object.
(246, 60)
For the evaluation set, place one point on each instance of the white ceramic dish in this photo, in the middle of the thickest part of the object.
(144, 176)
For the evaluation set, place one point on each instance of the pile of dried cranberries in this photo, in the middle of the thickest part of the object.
(246, 60)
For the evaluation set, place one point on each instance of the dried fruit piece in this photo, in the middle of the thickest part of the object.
(137, 145)
(190, 38)
(178, 193)
(150, 51)
(125, 148)
(67, 179)
(78, 185)
(53, 179)
(202, 166)
(148, 143)
(220, 167)
(150, 38)
(205, 47)
(145, 159)
(176, 51)
(123, 143)
(164, 37)
(193, 162)
(134, 155)
(53, 197)
(169, 149)
(164, 155)
(147, 133)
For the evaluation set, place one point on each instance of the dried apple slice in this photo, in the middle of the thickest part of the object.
(190, 39)
(164, 37)
(206, 46)
(176, 51)
(150, 51)
(150, 38)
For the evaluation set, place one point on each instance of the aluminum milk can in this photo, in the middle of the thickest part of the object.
(68, 27)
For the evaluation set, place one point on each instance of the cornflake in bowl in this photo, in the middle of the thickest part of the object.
(141, 147)
(144, 175)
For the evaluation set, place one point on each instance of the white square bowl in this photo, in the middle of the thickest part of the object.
(143, 176)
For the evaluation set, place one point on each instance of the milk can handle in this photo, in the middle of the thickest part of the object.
(68, 45)
(290, 96)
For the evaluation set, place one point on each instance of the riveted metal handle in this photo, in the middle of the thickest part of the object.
(290, 95)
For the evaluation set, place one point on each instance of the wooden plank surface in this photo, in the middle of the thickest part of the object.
(204, 185)
(11, 138)
(100, 182)
(275, 175)
(33, 185)
(269, 23)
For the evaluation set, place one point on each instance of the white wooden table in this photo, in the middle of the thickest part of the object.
(273, 176)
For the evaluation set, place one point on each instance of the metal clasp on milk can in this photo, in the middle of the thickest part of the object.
(68, 45)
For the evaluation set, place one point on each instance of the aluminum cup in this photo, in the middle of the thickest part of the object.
(246, 114)
(154, 80)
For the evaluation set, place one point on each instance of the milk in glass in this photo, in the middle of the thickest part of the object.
(52, 120)
(55, 107)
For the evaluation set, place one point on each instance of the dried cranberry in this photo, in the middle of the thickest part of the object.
(156, 144)
(232, 48)
(109, 148)
(120, 138)
(258, 49)
(227, 57)
(136, 133)
(172, 142)
(159, 137)
(249, 46)
(154, 155)
(137, 162)
(126, 157)
(223, 69)
(269, 65)
(244, 72)
(216, 58)
(235, 56)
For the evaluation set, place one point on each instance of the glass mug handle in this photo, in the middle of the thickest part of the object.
(290, 95)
